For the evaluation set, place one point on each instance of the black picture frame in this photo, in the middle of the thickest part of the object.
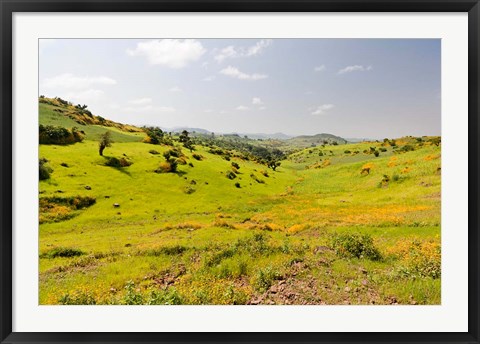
(9, 7)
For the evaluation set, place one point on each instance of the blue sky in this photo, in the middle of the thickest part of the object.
(362, 88)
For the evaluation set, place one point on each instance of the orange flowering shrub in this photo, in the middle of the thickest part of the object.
(418, 259)
(392, 162)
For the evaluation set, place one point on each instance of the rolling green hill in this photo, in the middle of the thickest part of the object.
(338, 224)
(57, 114)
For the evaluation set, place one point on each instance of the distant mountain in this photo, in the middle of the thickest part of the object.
(305, 140)
(319, 139)
(255, 136)
(275, 136)
(190, 130)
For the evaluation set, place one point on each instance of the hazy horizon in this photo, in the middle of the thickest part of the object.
(353, 88)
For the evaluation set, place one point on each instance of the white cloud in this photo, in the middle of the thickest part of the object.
(70, 81)
(319, 68)
(354, 68)
(225, 53)
(175, 89)
(257, 101)
(173, 53)
(242, 108)
(235, 73)
(208, 110)
(141, 101)
(262, 108)
(320, 110)
(258, 47)
(209, 78)
(85, 95)
(234, 52)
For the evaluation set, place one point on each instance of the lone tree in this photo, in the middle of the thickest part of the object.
(105, 141)
(273, 164)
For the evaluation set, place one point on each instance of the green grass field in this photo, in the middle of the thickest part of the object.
(315, 231)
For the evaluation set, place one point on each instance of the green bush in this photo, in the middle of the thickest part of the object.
(62, 252)
(265, 278)
(255, 178)
(166, 167)
(189, 190)
(132, 296)
(44, 169)
(197, 157)
(115, 162)
(168, 296)
(78, 298)
(355, 246)
(406, 148)
(173, 152)
(155, 135)
(231, 175)
(74, 202)
(50, 134)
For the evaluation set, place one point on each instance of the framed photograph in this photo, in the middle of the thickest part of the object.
(239, 172)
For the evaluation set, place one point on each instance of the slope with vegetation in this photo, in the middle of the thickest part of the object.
(179, 219)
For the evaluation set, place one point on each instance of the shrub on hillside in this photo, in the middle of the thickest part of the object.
(62, 252)
(44, 169)
(355, 246)
(166, 167)
(265, 278)
(197, 157)
(155, 135)
(173, 157)
(231, 175)
(189, 190)
(406, 148)
(115, 162)
(255, 178)
(49, 134)
(174, 152)
(74, 202)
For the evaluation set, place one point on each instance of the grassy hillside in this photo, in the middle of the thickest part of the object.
(67, 116)
(317, 230)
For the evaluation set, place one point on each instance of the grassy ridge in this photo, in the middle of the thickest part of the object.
(267, 241)
(47, 116)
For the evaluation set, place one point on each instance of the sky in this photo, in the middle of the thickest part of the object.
(354, 88)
